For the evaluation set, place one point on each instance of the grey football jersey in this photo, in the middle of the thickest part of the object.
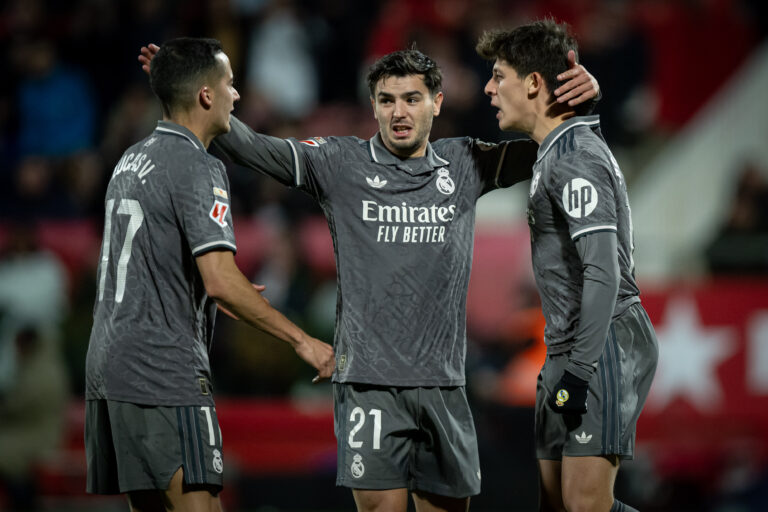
(402, 235)
(577, 189)
(166, 203)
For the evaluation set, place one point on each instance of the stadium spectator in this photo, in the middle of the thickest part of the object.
(741, 245)
(34, 387)
(57, 111)
(280, 64)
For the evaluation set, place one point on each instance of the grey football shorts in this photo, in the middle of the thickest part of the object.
(419, 438)
(131, 447)
(617, 392)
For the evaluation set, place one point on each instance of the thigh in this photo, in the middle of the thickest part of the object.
(374, 430)
(390, 500)
(587, 482)
(446, 462)
(178, 496)
(152, 443)
(550, 486)
(427, 502)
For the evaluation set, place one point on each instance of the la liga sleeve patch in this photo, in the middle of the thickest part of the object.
(314, 142)
(219, 213)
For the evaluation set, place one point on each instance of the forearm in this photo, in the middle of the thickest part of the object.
(265, 154)
(513, 165)
(226, 285)
(600, 289)
(240, 298)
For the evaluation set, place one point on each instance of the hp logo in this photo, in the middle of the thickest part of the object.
(579, 198)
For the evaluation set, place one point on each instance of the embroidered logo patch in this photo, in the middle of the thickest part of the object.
(219, 213)
(376, 182)
(314, 142)
(218, 464)
(220, 192)
(444, 182)
(357, 468)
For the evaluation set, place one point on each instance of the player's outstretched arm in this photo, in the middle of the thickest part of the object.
(580, 87)
(225, 284)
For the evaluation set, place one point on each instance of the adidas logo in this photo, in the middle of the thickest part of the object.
(376, 182)
(583, 438)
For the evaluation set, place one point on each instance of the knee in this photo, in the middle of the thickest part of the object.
(586, 502)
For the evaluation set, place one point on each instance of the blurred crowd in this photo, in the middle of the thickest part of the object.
(73, 97)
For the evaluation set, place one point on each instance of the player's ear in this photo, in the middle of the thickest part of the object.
(534, 83)
(373, 106)
(205, 97)
(437, 102)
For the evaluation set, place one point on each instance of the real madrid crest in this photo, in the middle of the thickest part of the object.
(218, 464)
(444, 182)
(357, 468)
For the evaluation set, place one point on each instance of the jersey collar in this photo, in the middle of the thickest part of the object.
(549, 141)
(176, 129)
(414, 166)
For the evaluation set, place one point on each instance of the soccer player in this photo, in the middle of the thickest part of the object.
(167, 259)
(401, 212)
(601, 347)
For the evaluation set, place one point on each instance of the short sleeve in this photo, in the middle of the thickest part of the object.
(505, 164)
(317, 162)
(203, 208)
(582, 188)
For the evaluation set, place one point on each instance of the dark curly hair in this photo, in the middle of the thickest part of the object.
(540, 46)
(405, 63)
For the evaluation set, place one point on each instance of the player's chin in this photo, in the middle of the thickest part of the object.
(404, 146)
(506, 127)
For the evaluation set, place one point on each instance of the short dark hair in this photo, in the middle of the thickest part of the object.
(406, 63)
(540, 46)
(180, 68)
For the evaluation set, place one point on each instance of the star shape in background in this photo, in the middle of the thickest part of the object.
(689, 355)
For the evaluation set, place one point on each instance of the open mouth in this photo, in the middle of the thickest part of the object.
(401, 130)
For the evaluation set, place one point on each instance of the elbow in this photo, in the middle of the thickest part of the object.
(216, 288)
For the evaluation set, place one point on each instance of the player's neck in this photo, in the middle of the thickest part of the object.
(191, 122)
(550, 117)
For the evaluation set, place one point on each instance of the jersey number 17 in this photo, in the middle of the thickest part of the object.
(132, 209)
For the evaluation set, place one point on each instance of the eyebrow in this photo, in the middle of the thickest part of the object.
(405, 94)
